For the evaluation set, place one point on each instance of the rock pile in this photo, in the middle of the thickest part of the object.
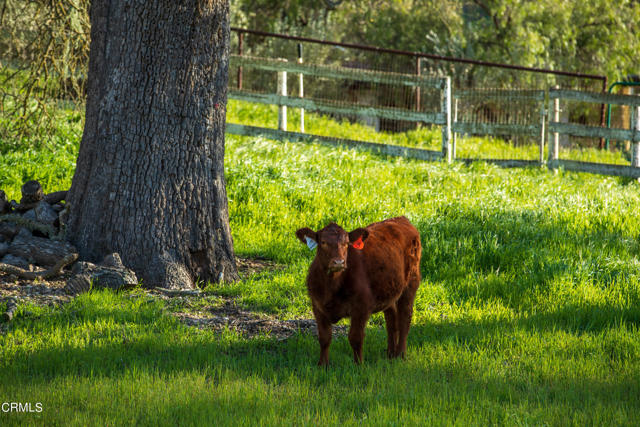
(110, 273)
(33, 245)
(32, 231)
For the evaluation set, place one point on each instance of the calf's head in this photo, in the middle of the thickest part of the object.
(333, 244)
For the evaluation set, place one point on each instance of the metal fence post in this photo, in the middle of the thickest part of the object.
(635, 126)
(446, 128)
(282, 91)
(240, 51)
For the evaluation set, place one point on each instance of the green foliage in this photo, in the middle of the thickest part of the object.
(528, 311)
(49, 158)
(434, 27)
(594, 36)
(44, 45)
(279, 16)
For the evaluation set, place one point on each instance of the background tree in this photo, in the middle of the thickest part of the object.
(44, 49)
(309, 17)
(590, 36)
(149, 181)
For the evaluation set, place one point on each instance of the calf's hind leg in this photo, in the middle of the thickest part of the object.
(405, 313)
(391, 321)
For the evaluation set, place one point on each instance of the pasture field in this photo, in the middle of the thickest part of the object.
(528, 312)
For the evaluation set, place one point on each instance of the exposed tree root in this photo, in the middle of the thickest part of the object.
(54, 271)
(178, 292)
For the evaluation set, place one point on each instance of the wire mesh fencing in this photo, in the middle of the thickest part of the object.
(329, 96)
(515, 115)
(504, 102)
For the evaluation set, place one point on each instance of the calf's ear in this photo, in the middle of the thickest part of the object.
(358, 233)
(302, 233)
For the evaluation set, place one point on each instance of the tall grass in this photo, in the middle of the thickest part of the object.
(528, 311)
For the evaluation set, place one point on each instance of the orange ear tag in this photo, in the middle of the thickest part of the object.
(358, 244)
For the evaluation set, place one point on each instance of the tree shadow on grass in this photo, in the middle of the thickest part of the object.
(454, 388)
(153, 339)
(149, 345)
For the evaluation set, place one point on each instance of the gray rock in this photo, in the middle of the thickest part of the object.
(44, 252)
(24, 233)
(56, 197)
(30, 215)
(5, 206)
(78, 284)
(58, 207)
(4, 247)
(83, 267)
(45, 214)
(31, 192)
(112, 260)
(112, 278)
(9, 230)
(110, 273)
(15, 261)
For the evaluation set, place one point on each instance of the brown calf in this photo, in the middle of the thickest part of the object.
(363, 272)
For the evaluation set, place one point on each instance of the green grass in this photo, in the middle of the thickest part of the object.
(528, 313)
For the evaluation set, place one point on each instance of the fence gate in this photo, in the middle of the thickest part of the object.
(556, 128)
(500, 112)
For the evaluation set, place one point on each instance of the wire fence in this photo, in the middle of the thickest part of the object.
(475, 78)
(330, 80)
(393, 91)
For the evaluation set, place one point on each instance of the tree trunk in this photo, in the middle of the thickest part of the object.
(149, 182)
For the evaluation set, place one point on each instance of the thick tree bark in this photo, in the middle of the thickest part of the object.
(149, 182)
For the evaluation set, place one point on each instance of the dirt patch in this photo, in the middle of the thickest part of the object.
(249, 266)
(250, 324)
(38, 292)
(47, 292)
(213, 312)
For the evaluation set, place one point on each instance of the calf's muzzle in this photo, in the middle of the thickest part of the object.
(336, 265)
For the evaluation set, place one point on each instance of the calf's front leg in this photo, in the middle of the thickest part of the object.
(324, 338)
(356, 335)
